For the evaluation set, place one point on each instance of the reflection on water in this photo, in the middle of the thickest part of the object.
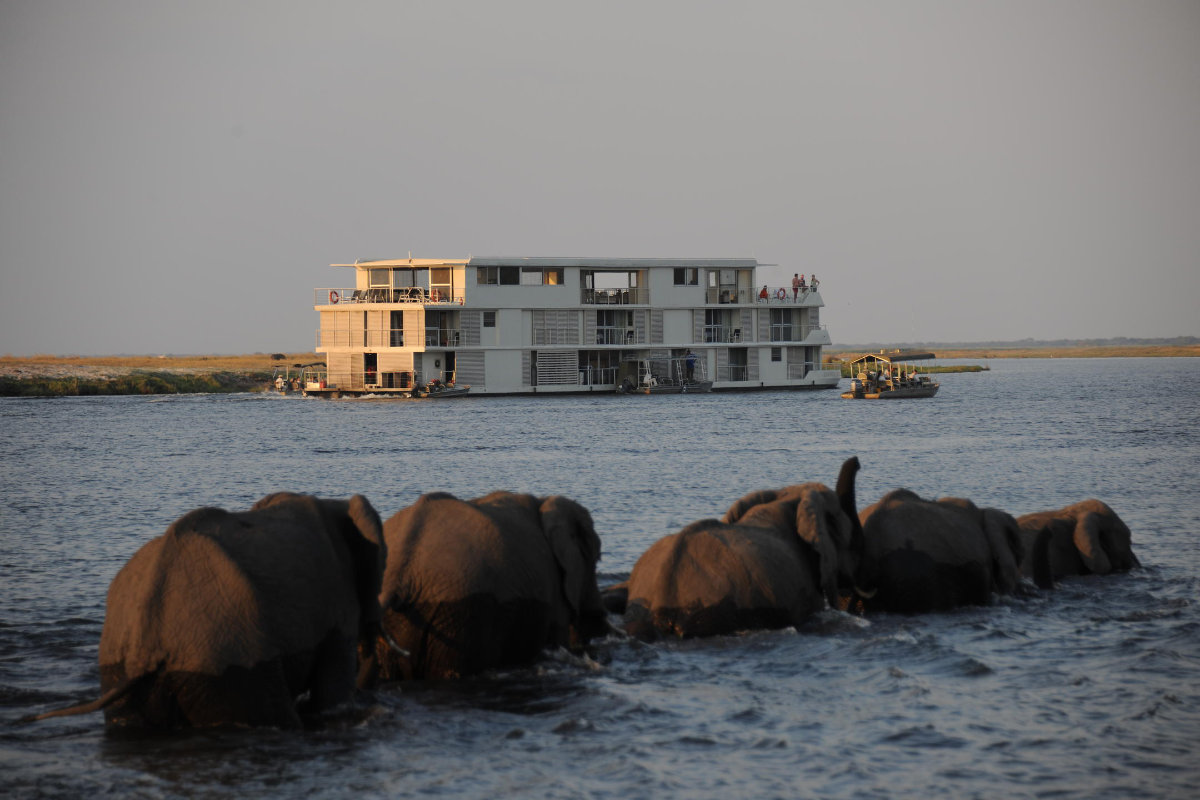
(1090, 691)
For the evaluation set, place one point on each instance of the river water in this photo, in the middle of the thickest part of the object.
(1092, 690)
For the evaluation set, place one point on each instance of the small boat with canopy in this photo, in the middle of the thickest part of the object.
(890, 376)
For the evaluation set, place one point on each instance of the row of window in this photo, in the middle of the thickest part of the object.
(519, 276)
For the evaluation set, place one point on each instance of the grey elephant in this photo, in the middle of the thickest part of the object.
(243, 619)
(775, 558)
(491, 582)
(930, 555)
(1087, 538)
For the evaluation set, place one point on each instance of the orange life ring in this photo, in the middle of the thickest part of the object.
(781, 293)
(333, 296)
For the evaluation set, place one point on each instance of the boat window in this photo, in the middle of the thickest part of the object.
(510, 276)
(489, 319)
(686, 276)
(381, 278)
(554, 276)
(777, 354)
(402, 278)
(487, 275)
(531, 276)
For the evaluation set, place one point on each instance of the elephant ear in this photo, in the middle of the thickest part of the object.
(738, 511)
(1004, 540)
(572, 536)
(1087, 542)
(822, 524)
(359, 526)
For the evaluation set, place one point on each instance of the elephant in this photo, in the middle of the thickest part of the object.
(932, 555)
(775, 558)
(252, 618)
(472, 585)
(1087, 538)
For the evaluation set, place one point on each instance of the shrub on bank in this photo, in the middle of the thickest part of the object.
(134, 383)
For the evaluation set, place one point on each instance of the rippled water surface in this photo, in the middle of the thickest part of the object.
(1092, 690)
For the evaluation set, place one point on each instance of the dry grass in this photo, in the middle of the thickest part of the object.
(58, 365)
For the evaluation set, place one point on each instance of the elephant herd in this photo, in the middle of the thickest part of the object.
(271, 615)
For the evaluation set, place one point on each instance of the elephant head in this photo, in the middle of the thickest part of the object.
(826, 521)
(475, 584)
(1084, 538)
(572, 536)
(358, 526)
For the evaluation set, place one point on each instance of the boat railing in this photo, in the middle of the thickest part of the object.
(722, 334)
(791, 332)
(622, 297)
(597, 376)
(442, 337)
(392, 337)
(569, 335)
(408, 294)
(621, 335)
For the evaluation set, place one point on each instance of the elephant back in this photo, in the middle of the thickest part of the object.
(220, 590)
(714, 578)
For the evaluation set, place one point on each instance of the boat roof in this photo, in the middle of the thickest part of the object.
(547, 261)
(892, 357)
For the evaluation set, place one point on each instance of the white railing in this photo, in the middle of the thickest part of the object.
(620, 336)
(622, 297)
(792, 333)
(556, 336)
(442, 337)
(359, 338)
(598, 376)
(722, 334)
(411, 295)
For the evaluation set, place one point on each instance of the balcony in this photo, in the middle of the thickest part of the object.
(413, 295)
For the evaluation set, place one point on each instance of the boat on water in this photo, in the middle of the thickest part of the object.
(436, 390)
(570, 325)
(890, 376)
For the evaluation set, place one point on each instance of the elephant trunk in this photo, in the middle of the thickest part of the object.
(1043, 575)
(864, 573)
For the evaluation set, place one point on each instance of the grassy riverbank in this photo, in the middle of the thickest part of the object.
(68, 376)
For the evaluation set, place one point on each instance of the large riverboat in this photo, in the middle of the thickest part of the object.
(565, 325)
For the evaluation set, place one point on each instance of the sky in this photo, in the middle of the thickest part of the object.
(177, 177)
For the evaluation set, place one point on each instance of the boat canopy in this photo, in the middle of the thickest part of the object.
(891, 357)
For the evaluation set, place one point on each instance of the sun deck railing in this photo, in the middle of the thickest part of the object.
(407, 295)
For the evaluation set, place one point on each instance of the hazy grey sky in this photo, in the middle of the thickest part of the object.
(176, 177)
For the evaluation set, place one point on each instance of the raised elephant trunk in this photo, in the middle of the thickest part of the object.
(845, 495)
(846, 499)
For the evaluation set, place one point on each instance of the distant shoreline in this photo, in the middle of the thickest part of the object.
(58, 376)
(1000, 351)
